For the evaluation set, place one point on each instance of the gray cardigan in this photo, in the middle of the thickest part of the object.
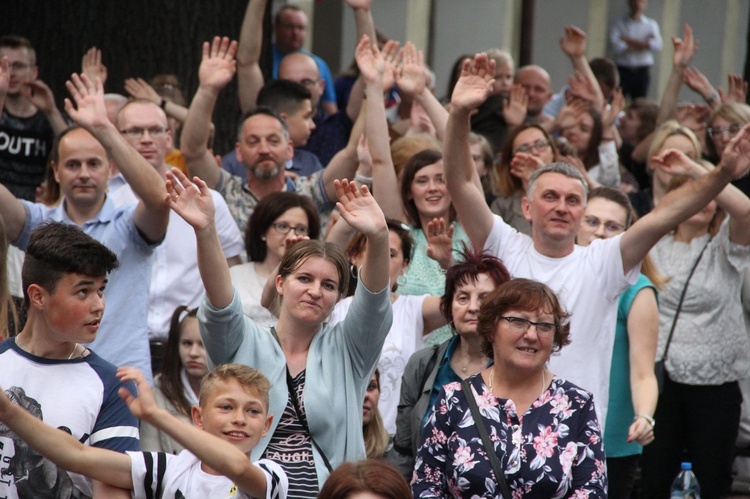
(416, 387)
(340, 362)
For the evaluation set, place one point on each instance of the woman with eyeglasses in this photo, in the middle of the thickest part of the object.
(542, 429)
(633, 388)
(276, 218)
(526, 149)
(723, 124)
(700, 308)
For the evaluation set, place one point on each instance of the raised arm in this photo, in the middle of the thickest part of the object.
(39, 94)
(138, 88)
(359, 209)
(412, 80)
(680, 204)
(217, 454)
(64, 450)
(249, 74)
(573, 43)
(151, 214)
(215, 72)
(732, 200)
(344, 164)
(92, 65)
(461, 178)
(684, 50)
(193, 202)
(386, 192)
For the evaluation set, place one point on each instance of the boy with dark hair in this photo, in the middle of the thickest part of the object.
(231, 419)
(293, 103)
(49, 372)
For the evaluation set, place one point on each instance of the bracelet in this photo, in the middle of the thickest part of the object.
(163, 104)
(646, 417)
(712, 98)
(362, 179)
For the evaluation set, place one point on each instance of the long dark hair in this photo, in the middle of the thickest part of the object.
(171, 380)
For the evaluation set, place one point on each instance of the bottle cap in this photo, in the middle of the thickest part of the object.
(686, 466)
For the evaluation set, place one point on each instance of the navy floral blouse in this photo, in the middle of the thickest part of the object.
(554, 450)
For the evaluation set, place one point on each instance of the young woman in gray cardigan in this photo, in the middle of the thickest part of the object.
(318, 373)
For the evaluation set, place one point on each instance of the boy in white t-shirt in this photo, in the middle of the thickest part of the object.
(231, 419)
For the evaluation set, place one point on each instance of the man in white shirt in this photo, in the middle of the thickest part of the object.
(588, 280)
(174, 277)
(634, 39)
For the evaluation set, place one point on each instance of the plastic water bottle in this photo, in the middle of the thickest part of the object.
(685, 486)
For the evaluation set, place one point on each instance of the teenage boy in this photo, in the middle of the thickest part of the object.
(231, 419)
(49, 372)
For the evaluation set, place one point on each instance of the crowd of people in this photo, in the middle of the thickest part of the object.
(508, 292)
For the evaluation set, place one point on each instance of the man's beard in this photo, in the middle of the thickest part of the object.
(266, 173)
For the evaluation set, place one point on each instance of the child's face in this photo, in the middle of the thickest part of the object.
(234, 414)
(503, 79)
(73, 311)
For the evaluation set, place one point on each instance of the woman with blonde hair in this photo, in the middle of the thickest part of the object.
(670, 135)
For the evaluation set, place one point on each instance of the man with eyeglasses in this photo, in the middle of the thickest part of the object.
(81, 158)
(175, 279)
(30, 119)
(588, 280)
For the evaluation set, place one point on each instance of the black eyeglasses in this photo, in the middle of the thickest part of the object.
(540, 145)
(284, 228)
(519, 325)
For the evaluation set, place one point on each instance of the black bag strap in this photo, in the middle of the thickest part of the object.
(303, 419)
(682, 298)
(489, 449)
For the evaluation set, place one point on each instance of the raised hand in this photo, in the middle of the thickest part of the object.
(144, 404)
(89, 110)
(737, 90)
(698, 82)
(736, 157)
(523, 165)
(475, 83)
(570, 112)
(410, 76)
(583, 88)
(516, 107)
(92, 66)
(138, 88)
(370, 60)
(675, 162)
(439, 236)
(684, 49)
(611, 112)
(358, 208)
(218, 64)
(391, 56)
(574, 42)
(191, 200)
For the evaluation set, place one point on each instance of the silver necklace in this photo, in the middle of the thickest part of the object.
(492, 377)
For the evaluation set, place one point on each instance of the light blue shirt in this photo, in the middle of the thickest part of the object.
(123, 335)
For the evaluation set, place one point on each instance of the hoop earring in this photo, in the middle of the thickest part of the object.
(401, 280)
(354, 271)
